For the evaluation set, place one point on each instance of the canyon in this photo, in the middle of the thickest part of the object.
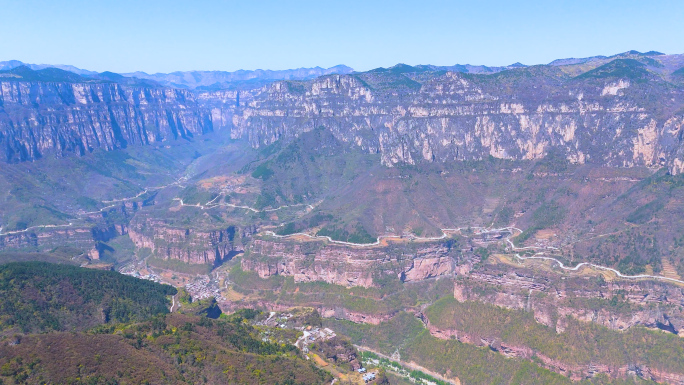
(405, 114)
(346, 266)
(370, 196)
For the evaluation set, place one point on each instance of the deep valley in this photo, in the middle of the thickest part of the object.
(521, 225)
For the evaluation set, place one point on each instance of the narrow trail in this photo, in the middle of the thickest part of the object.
(35, 227)
(82, 214)
(209, 206)
(541, 256)
(445, 233)
(481, 230)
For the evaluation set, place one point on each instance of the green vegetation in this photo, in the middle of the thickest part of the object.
(314, 220)
(262, 172)
(385, 337)
(357, 235)
(131, 339)
(555, 161)
(388, 299)
(679, 73)
(308, 169)
(579, 344)
(54, 75)
(39, 296)
(631, 250)
(414, 376)
(172, 349)
(547, 215)
(179, 266)
(619, 68)
(289, 228)
(450, 358)
(646, 212)
(64, 255)
(505, 216)
(206, 307)
(193, 195)
(472, 365)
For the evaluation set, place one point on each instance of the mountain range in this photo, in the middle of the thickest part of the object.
(518, 224)
(404, 113)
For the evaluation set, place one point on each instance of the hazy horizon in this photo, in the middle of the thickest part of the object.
(163, 37)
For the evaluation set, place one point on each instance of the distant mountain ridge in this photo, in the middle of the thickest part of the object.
(200, 80)
(516, 113)
(252, 79)
(208, 80)
(11, 64)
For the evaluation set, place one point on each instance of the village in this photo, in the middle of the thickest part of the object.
(344, 364)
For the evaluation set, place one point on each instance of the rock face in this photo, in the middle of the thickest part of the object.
(624, 113)
(649, 304)
(41, 117)
(575, 372)
(184, 244)
(47, 238)
(518, 114)
(347, 266)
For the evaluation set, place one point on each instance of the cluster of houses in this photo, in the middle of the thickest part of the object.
(311, 335)
(367, 377)
(130, 270)
(203, 287)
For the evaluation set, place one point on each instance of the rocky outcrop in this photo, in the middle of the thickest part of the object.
(575, 372)
(356, 317)
(41, 117)
(649, 304)
(424, 268)
(406, 117)
(520, 114)
(347, 266)
(47, 237)
(184, 244)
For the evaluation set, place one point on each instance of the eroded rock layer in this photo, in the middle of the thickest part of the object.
(347, 266)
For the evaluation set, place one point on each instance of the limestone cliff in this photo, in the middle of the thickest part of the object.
(346, 266)
(621, 114)
(519, 114)
(615, 305)
(41, 117)
(185, 244)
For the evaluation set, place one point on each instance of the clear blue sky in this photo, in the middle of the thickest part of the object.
(164, 36)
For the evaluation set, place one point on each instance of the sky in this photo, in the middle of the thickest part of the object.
(165, 36)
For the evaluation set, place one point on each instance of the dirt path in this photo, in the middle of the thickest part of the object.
(541, 256)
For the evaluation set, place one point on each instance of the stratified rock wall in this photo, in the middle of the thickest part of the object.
(41, 117)
(654, 304)
(461, 117)
(185, 244)
(520, 114)
(345, 266)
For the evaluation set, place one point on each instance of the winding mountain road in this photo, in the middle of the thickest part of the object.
(482, 230)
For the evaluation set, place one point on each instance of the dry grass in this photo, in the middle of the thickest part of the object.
(545, 234)
(669, 270)
(318, 360)
(222, 181)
